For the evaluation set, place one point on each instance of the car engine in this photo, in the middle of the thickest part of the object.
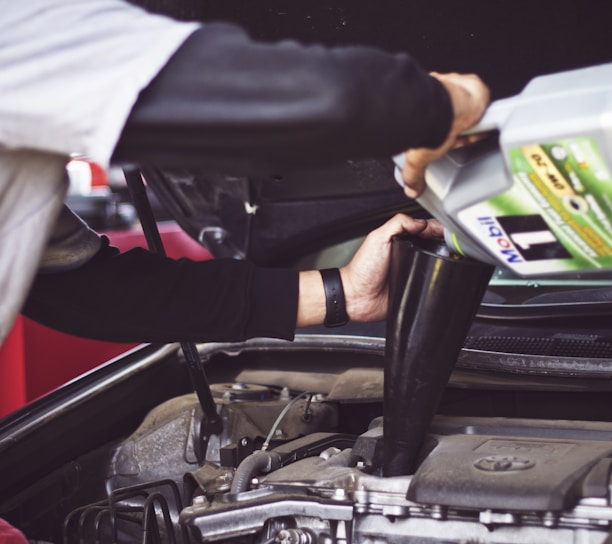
(294, 466)
(305, 458)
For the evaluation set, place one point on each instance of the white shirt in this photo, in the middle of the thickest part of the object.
(70, 73)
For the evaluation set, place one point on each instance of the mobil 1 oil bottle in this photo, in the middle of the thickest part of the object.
(535, 195)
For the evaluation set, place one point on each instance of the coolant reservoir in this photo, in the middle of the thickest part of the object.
(534, 197)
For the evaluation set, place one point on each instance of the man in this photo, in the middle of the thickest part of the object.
(113, 83)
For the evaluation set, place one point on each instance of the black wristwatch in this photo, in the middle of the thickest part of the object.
(335, 305)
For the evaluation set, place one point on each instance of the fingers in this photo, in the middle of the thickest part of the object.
(373, 255)
(464, 140)
(365, 277)
(413, 173)
(425, 228)
(401, 223)
(433, 229)
(469, 98)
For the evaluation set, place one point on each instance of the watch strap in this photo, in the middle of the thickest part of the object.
(335, 304)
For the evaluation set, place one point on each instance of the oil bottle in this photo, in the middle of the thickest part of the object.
(535, 195)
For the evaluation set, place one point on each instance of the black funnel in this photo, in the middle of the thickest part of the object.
(433, 298)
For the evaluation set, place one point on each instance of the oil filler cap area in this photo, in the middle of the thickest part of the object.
(511, 473)
(240, 391)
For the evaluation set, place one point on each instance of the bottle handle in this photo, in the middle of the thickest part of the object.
(494, 118)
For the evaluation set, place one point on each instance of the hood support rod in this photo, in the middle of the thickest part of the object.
(212, 423)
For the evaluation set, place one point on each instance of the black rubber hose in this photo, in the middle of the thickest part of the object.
(259, 462)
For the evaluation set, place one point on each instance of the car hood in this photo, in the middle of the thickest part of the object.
(521, 447)
(314, 218)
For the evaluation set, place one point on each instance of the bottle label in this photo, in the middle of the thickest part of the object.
(556, 218)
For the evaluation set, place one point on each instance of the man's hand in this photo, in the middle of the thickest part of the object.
(365, 277)
(470, 98)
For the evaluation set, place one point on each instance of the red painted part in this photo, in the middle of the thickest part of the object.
(176, 242)
(35, 359)
(98, 175)
(12, 371)
(52, 358)
(10, 534)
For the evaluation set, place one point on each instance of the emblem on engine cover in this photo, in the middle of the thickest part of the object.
(503, 463)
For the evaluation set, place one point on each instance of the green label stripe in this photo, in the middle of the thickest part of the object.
(571, 185)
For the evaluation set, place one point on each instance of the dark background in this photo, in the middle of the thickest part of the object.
(507, 42)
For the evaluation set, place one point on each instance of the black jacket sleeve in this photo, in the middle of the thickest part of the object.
(225, 100)
(138, 296)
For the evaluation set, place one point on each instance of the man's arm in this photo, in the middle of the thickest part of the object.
(138, 296)
(228, 101)
(364, 279)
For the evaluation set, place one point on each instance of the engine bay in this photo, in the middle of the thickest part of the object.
(300, 457)
(480, 480)
(328, 439)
